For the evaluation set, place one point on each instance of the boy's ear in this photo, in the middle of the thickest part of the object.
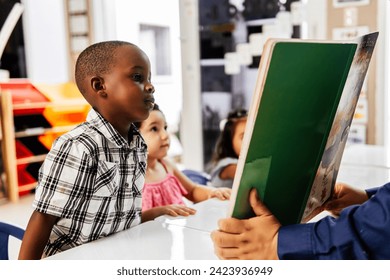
(97, 84)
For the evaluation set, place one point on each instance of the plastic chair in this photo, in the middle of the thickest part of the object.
(197, 176)
(7, 230)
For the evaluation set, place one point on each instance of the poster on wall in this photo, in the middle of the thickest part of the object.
(349, 33)
(349, 3)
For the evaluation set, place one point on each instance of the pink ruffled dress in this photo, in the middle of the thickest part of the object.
(166, 192)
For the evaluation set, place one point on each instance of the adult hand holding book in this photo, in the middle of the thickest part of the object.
(247, 239)
(355, 235)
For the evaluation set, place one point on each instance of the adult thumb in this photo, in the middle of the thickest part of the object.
(257, 205)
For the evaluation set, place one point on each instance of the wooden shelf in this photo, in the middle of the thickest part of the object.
(65, 109)
(38, 158)
(78, 13)
(37, 105)
(8, 146)
(40, 130)
(79, 34)
(28, 187)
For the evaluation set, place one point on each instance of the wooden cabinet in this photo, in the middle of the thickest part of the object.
(33, 116)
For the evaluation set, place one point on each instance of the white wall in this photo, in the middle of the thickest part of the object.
(316, 18)
(383, 74)
(103, 22)
(128, 18)
(45, 41)
(191, 129)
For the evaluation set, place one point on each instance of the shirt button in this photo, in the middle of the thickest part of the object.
(127, 184)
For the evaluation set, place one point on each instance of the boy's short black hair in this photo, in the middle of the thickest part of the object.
(97, 59)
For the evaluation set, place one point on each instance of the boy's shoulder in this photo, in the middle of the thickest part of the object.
(80, 130)
(82, 135)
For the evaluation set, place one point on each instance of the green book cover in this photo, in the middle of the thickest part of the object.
(298, 123)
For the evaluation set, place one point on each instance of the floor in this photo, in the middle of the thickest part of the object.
(18, 214)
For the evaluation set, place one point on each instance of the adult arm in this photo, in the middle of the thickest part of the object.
(361, 232)
(36, 236)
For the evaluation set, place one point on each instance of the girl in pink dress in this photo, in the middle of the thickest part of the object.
(165, 185)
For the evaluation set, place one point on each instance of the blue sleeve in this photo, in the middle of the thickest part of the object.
(361, 232)
(371, 192)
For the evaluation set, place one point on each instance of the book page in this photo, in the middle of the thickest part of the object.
(263, 68)
(327, 171)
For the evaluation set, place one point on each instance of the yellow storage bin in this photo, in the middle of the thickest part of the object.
(66, 115)
(67, 107)
(48, 139)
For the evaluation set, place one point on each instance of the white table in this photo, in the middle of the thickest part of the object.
(206, 218)
(148, 241)
(166, 238)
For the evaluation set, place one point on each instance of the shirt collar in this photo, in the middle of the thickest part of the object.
(104, 127)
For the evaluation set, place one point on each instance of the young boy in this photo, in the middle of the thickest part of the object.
(90, 182)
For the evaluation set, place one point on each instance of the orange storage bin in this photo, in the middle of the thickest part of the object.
(48, 139)
(66, 115)
(68, 107)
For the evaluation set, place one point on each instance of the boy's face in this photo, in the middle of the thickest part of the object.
(128, 88)
(154, 131)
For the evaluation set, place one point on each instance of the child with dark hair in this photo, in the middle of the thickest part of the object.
(227, 149)
(165, 185)
(91, 180)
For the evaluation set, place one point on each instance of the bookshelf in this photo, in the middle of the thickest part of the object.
(32, 117)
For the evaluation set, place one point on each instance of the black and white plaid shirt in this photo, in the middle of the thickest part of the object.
(92, 179)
